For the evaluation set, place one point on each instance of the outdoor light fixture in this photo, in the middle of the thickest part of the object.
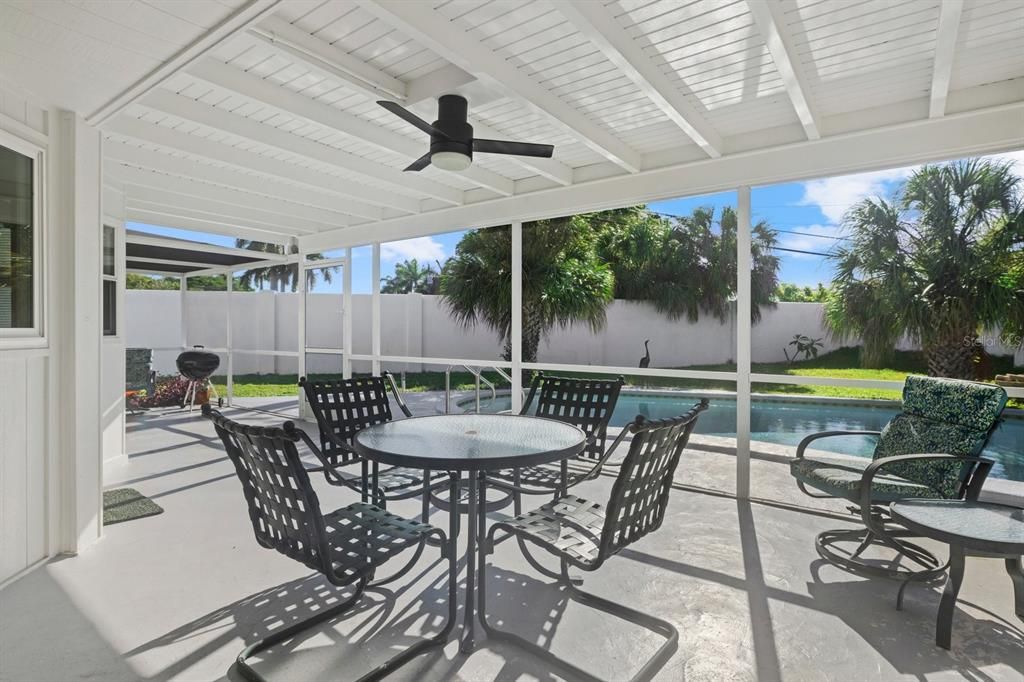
(450, 161)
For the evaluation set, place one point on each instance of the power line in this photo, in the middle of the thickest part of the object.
(809, 253)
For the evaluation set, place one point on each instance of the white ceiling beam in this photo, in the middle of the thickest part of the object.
(117, 153)
(362, 198)
(316, 55)
(288, 102)
(229, 229)
(132, 237)
(251, 130)
(945, 46)
(771, 23)
(194, 210)
(330, 60)
(166, 197)
(987, 131)
(422, 23)
(598, 25)
(245, 16)
(132, 178)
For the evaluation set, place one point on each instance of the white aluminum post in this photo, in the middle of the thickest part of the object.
(230, 277)
(743, 340)
(183, 314)
(301, 336)
(346, 315)
(516, 337)
(375, 311)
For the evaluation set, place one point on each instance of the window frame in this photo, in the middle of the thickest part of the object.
(34, 336)
(114, 278)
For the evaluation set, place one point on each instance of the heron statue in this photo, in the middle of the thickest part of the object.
(645, 361)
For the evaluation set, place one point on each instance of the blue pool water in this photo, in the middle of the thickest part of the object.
(787, 422)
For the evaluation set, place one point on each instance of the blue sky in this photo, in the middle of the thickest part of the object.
(813, 208)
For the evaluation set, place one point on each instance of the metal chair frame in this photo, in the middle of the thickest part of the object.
(345, 546)
(343, 408)
(879, 529)
(636, 507)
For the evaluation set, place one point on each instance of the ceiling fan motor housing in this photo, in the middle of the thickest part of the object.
(452, 111)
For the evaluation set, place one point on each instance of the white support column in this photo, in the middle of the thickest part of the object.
(74, 329)
(346, 314)
(230, 277)
(743, 340)
(301, 335)
(516, 337)
(183, 310)
(375, 344)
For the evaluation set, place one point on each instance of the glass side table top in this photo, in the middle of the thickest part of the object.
(463, 442)
(979, 525)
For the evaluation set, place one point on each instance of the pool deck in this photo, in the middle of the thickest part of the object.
(178, 595)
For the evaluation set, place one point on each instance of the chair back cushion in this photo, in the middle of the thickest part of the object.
(585, 403)
(946, 416)
(343, 408)
(640, 495)
(283, 506)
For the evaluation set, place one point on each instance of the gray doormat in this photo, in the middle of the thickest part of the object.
(126, 504)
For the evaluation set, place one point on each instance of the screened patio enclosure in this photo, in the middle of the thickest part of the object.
(259, 121)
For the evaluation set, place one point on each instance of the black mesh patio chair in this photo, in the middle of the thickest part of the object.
(930, 450)
(584, 403)
(343, 408)
(585, 534)
(346, 545)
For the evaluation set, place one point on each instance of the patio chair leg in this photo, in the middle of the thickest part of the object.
(656, 625)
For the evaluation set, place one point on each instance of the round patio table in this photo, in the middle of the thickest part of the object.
(969, 528)
(470, 444)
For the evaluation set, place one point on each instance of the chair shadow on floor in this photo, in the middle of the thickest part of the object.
(384, 619)
(977, 642)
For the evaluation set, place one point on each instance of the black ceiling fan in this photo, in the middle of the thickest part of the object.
(451, 138)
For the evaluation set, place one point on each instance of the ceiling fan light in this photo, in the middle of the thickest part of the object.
(450, 161)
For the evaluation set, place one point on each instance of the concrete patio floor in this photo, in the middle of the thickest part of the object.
(177, 596)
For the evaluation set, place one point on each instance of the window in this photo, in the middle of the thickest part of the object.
(18, 249)
(109, 281)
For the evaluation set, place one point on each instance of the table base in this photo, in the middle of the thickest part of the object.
(947, 607)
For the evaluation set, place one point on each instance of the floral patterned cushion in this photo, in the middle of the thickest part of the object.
(840, 476)
(969, 404)
(940, 416)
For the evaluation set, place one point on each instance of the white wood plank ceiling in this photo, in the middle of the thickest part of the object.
(263, 113)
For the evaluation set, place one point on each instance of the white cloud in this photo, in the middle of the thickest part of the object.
(809, 240)
(833, 196)
(424, 249)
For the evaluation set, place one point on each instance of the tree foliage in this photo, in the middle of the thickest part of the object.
(936, 262)
(134, 280)
(787, 292)
(564, 281)
(284, 276)
(412, 278)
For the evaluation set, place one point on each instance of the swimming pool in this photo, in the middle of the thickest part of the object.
(786, 422)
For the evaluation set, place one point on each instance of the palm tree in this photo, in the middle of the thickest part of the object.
(933, 263)
(410, 278)
(282, 277)
(564, 281)
(685, 266)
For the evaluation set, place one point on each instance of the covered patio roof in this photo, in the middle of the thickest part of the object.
(153, 254)
(259, 118)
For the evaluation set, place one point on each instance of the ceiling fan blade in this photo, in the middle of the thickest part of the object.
(420, 163)
(514, 148)
(406, 115)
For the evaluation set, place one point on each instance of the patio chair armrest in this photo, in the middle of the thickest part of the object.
(828, 434)
(330, 472)
(973, 484)
(390, 379)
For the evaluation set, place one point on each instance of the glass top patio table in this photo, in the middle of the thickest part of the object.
(469, 442)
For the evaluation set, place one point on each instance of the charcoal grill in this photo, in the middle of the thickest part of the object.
(197, 366)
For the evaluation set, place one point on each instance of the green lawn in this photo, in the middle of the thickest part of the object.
(843, 363)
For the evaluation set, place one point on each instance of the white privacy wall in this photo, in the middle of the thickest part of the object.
(417, 325)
